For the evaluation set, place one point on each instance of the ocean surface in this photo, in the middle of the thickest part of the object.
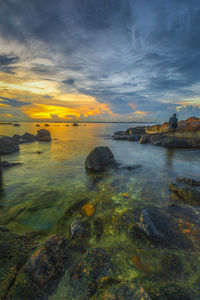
(36, 194)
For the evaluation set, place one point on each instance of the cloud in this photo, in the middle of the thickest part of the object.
(13, 102)
(7, 62)
(120, 52)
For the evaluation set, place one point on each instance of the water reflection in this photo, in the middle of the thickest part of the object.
(169, 157)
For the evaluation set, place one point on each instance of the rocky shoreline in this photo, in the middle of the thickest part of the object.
(187, 135)
(33, 264)
(10, 145)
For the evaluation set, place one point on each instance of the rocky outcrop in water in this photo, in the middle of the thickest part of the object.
(99, 159)
(25, 138)
(44, 135)
(6, 164)
(187, 135)
(8, 145)
(131, 134)
(189, 195)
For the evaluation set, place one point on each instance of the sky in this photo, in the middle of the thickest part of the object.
(99, 60)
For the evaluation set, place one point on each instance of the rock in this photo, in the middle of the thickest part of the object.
(87, 274)
(120, 133)
(189, 195)
(170, 141)
(145, 138)
(7, 164)
(187, 135)
(120, 137)
(147, 225)
(48, 261)
(80, 229)
(88, 209)
(46, 125)
(160, 227)
(122, 291)
(99, 159)
(16, 125)
(8, 145)
(37, 125)
(25, 138)
(126, 195)
(29, 137)
(44, 135)
(140, 130)
(189, 181)
(134, 137)
(14, 252)
(75, 124)
(42, 271)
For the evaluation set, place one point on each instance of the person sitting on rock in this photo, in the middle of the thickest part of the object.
(173, 122)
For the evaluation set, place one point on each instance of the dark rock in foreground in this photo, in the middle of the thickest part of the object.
(44, 135)
(8, 145)
(40, 274)
(86, 275)
(99, 159)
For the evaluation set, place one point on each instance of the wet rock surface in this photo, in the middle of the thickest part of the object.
(87, 274)
(123, 290)
(44, 135)
(40, 271)
(190, 195)
(99, 159)
(8, 145)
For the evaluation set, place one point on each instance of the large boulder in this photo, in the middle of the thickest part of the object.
(8, 145)
(99, 159)
(44, 135)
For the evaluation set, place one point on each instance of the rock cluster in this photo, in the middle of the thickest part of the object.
(10, 145)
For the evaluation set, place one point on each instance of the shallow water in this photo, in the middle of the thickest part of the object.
(36, 194)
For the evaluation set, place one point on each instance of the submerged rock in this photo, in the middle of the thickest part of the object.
(189, 195)
(7, 164)
(99, 159)
(80, 229)
(88, 209)
(87, 274)
(44, 135)
(8, 145)
(189, 181)
(123, 291)
(161, 227)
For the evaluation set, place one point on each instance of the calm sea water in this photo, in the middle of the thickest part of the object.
(36, 194)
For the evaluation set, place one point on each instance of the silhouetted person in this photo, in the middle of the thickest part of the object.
(173, 122)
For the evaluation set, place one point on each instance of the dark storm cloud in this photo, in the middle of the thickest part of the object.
(120, 52)
(7, 62)
(13, 102)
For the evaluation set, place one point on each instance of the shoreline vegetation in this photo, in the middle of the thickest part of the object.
(165, 241)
